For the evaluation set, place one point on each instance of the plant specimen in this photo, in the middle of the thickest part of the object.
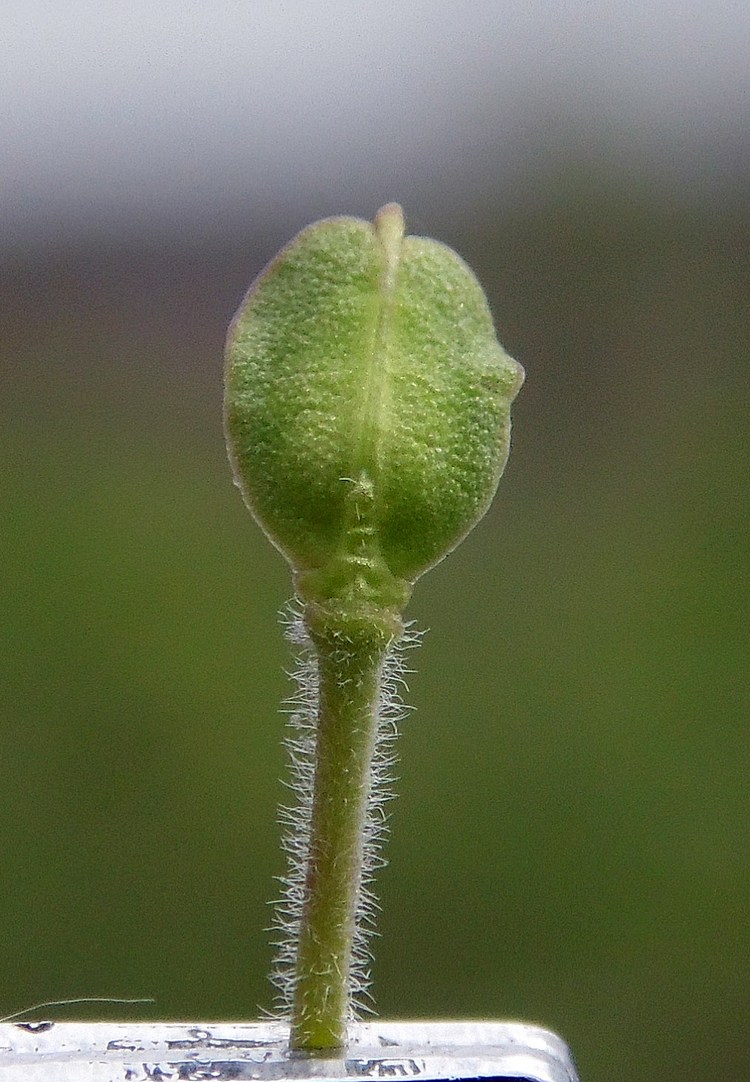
(368, 422)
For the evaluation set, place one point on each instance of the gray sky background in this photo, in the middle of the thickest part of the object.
(122, 114)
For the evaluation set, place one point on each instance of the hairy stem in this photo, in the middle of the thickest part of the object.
(350, 667)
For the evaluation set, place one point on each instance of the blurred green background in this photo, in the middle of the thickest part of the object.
(570, 839)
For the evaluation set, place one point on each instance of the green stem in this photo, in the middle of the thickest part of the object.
(350, 654)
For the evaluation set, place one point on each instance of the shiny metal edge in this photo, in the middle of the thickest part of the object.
(196, 1051)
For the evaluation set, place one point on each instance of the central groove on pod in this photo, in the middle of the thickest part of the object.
(389, 231)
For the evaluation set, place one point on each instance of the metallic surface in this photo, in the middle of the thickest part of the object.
(138, 1051)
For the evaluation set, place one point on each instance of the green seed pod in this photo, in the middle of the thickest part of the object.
(367, 405)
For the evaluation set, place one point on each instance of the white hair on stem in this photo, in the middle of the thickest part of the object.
(295, 818)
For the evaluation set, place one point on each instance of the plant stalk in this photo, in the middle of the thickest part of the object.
(350, 667)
